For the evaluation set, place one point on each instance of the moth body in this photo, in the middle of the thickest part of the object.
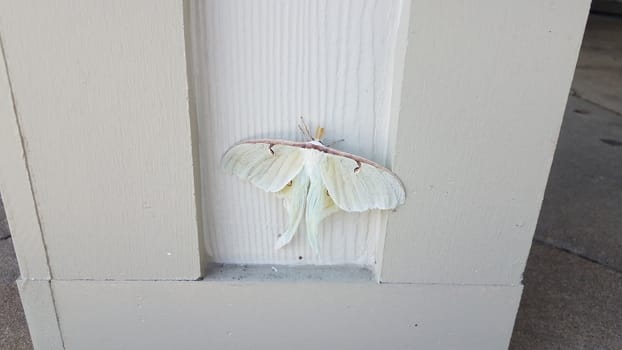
(312, 162)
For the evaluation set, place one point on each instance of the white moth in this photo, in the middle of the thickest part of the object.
(312, 176)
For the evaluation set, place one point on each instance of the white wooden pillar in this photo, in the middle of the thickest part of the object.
(113, 116)
(483, 93)
(97, 167)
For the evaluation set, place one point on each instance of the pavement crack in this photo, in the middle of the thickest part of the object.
(577, 254)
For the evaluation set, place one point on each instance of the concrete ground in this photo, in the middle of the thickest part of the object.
(573, 281)
(599, 68)
(13, 329)
(568, 303)
(582, 208)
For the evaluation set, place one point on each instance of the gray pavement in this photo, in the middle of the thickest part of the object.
(582, 208)
(568, 303)
(598, 76)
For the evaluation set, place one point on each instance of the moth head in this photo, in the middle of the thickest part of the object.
(304, 128)
(319, 134)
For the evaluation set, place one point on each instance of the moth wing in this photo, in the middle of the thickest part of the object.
(356, 184)
(294, 198)
(269, 166)
(319, 206)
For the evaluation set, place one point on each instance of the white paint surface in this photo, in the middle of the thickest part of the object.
(101, 97)
(15, 188)
(40, 311)
(256, 68)
(482, 101)
(283, 315)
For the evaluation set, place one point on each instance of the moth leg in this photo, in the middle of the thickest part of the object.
(319, 206)
(358, 167)
(294, 198)
(335, 142)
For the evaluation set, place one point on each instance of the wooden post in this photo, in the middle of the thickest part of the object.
(115, 114)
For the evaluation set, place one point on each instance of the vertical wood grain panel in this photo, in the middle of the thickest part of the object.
(482, 101)
(258, 66)
(101, 96)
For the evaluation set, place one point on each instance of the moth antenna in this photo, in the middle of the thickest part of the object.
(334, 142)
(302, 131)
(306, 131)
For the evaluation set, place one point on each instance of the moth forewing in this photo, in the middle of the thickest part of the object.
(269, 166)
(357, 186)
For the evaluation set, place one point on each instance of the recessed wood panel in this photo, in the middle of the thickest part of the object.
(256, 67)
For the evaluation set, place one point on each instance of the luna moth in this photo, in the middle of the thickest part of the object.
(313, 179)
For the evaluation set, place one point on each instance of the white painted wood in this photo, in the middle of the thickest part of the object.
(38, 303)
(15, 188)
(101, 97)
(484, 89)
(283, 315)
(256, 67)
(101, 103)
